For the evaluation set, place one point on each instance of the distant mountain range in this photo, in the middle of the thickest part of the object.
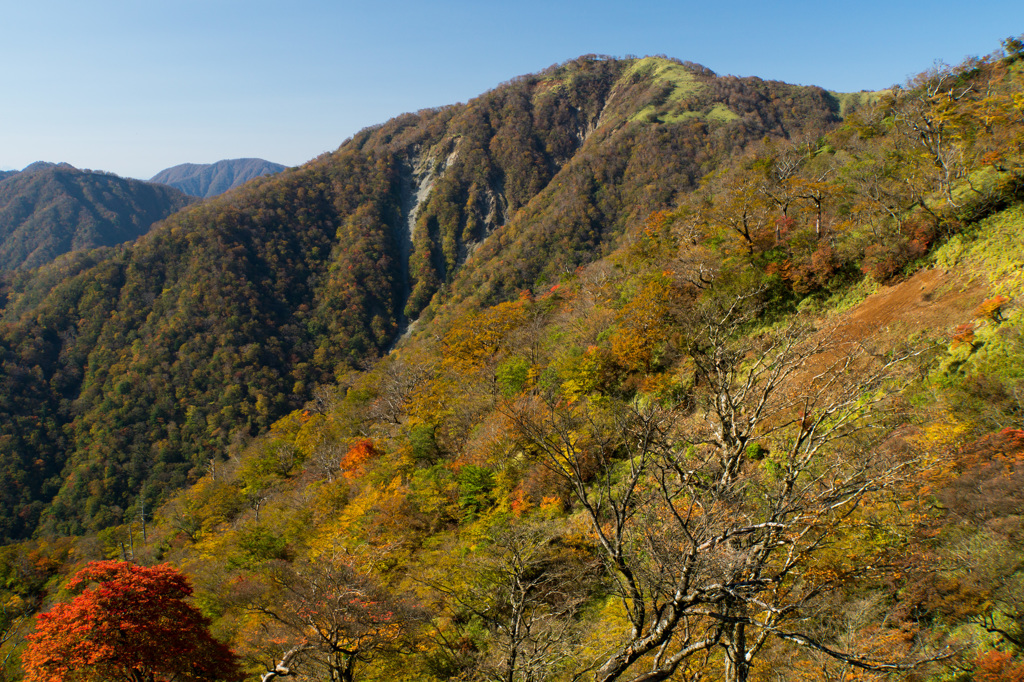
(49, 209)
(210, 179)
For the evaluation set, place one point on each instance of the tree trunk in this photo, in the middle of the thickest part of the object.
(737, 668)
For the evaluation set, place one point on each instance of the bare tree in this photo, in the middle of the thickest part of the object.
(326, 457)
(14, 623)
(398, 379)
(333, 616)
(711, 517)
(926, 112)
(526, 590)
(880, 179)
(283, 667)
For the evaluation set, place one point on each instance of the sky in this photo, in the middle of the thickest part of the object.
(136, 86)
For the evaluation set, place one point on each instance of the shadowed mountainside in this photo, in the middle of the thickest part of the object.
(210, 179)
(50, 209)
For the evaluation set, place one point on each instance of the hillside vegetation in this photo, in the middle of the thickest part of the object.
(696, 381)
(48, 210)
(126, 373)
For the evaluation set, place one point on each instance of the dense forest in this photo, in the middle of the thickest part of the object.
(49, 209)
(620, 371)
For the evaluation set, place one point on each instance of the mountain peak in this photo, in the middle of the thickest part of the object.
(46, 165)
(210, 179)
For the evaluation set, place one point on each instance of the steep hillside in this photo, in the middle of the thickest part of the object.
(130, 375)
(774, 434)
(210, 179)
(771, 430)
(48, 210)
(551, 168)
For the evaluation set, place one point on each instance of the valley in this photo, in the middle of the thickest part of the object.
(623, 370)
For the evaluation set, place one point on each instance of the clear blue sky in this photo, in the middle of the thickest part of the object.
(135, 86)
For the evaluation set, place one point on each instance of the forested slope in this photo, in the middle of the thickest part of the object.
(48, 210)
(129, 371)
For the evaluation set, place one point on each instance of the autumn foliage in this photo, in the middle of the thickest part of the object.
(992, 308)
(128, 623)
(355, 460)
(686, 447)
(998, 666)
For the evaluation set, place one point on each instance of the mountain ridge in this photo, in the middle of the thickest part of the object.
(207, 180)
(49, 209)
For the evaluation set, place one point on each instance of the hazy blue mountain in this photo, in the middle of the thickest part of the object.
(211, 179)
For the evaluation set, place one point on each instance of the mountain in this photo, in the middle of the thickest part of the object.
(622, 371)
(127, 372)
(211, 179)
(50, 209)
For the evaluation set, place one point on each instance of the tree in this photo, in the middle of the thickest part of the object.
(879, 179)
(332, 615)
(716, 518)
(982, 491)
(928, 113)
(642, 326)
(128, 623)
(740, 207)
(526, 591)
(12, 622)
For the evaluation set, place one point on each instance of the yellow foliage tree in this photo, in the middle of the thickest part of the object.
(642, 326)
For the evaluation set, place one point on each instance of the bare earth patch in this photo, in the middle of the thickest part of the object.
(931, 299)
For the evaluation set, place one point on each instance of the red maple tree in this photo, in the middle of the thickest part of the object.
(128, 623)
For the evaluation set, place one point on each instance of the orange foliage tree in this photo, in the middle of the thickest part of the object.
(326, 615)
(128, 623)
(642, 326)
(998, 666)
(355, 460)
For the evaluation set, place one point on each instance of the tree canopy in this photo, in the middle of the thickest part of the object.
(128, 623)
